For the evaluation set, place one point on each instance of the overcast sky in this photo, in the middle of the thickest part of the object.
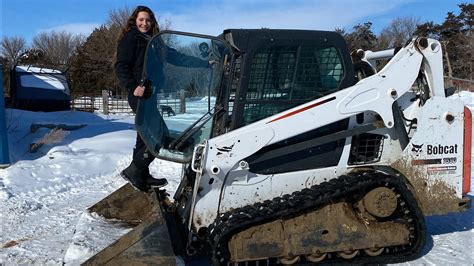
(29, 17)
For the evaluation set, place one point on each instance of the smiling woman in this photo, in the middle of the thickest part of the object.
(140, 27)
(143, 21)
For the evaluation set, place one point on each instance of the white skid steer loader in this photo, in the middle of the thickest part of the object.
(301, 155)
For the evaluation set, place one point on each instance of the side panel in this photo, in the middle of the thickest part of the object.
(433, 161)
(245, 188)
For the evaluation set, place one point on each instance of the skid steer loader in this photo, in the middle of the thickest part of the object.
(300, 156)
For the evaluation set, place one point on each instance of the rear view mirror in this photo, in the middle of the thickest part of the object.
(204, 49)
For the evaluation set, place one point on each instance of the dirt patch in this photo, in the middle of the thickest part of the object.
(13, 243)
(10, 244)
(435, 196)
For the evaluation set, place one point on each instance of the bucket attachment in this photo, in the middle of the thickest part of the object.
(148, 242)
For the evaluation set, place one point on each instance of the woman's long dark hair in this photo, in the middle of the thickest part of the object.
(132, 21)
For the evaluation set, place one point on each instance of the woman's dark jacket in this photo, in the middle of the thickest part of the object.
(130, 58)
(129, 65)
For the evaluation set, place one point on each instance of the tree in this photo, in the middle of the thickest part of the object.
(456, 37)
(11, 48)
(466, 44)
(398, 32)
(119, 17)
(92, 67)
(58, 48)
(361, 37)
(429, 30)
(6, 76)
(467, 16)
(450, 32)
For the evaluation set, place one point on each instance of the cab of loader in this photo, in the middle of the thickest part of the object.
(249, 75)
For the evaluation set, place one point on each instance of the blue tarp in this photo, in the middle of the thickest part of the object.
(4, 154)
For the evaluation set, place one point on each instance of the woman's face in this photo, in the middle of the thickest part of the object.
(143, 21)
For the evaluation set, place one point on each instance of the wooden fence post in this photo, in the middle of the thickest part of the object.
(105, 101)
(182, 101)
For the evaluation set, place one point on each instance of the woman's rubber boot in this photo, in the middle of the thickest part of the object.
(153, 182)
(133, 176)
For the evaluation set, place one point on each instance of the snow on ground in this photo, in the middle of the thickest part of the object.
(43, 195)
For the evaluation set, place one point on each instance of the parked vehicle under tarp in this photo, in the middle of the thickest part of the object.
(4, 154)
(39, 89)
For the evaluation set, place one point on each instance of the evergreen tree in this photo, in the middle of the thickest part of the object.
(361, 37)
(92, 69)
(456, 37)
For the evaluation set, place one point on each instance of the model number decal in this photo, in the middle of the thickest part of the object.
(450, 160)
(442, 169)
(426, 161)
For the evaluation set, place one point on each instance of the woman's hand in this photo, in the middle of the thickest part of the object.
(139, 91)
(212, 63)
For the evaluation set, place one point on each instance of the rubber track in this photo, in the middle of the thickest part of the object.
(310, 199)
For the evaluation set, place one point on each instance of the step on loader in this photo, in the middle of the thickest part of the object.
(297, 153)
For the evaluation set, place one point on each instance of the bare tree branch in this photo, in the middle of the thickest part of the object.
(164, 25)
(398, 32)
(11, 48)
(57, 47)
(119, 17)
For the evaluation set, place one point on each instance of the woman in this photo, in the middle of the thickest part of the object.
(141, 26)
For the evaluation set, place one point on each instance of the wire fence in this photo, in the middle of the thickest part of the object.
(107, 103)
(117, 103)
(94, 102)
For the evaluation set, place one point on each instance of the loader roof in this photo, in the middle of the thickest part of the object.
(244, 39)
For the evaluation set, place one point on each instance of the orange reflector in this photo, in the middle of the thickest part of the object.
(466, 176)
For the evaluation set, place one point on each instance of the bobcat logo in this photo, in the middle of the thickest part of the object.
(416, 148)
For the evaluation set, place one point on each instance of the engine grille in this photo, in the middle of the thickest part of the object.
(366, 148)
